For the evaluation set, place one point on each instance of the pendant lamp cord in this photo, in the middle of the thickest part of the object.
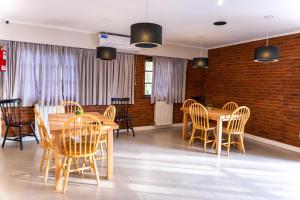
(268, 35)
(268, 18)
(147, 7)
(201, 47)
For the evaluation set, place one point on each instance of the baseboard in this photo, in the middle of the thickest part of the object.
(273, 143)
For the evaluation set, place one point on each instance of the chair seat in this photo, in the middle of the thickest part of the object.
(21, 123)
(89, 151)
(225, 130)
(205, 129)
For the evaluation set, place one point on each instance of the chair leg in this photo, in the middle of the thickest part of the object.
(192, 137)
(118, 131)
(47, 165)
(43, 160)
(67, 172)
(77, 165)
(33, 132)
(131, 127)
(228, 145)
(242, 143)
(5, 136)
(205, 140)
(95, 169)
(214, 143)
(20, 138)
(126, 121)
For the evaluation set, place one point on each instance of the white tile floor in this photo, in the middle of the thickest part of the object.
(157, 164)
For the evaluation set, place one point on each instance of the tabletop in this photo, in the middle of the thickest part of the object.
(57, 121)
(215, 113)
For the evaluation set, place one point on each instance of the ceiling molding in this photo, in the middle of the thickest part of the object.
(255, 39)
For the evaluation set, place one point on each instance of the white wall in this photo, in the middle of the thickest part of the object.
(71, 38)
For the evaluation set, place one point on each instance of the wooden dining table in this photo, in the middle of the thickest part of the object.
(215, 114)
(56, 124)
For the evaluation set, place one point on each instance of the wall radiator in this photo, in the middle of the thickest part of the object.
(44, 111)
(163, 113)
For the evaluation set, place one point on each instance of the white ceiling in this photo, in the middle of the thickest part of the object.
(184, 22)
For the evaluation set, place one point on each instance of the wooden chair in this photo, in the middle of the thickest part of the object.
(72, 107)
(10, 109)
(110, 113)
(199, 116)
(236, 126)
(188, 102)
(230, 106)
(46, 143)
(122, 115)
(80, 139)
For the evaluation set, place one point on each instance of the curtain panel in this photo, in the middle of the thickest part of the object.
(49, 74)
(169, 79)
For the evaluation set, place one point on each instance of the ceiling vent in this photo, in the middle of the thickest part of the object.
(120, 42)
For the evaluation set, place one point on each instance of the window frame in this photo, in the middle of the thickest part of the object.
(144, 76)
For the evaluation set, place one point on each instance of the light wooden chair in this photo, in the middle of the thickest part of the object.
(46, 143)
(188, 102)
(236, 126)
(72, 107)
(80, 139)
(110, 113)
(230, 106)
(199, 116)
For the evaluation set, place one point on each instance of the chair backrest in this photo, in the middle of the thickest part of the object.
(121, 105)
(188, 102)
(46, 141)
(10, 109)
(81, 135)
(230, 106)
(199, 116)
(110, 112)
(238, 120)
(72, 107)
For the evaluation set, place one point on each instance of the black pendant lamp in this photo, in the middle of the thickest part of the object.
(200, 62)
(106, 53)
(266, 53)
(145, 34)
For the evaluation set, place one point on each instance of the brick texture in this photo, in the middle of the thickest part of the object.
(270, 90)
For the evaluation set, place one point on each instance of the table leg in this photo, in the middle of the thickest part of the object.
(219, 137)
(185, 123)
(110, 147)
(58, 163)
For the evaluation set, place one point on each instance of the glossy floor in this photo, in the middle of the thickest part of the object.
(157, 164)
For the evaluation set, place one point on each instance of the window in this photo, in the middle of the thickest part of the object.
(148, 77)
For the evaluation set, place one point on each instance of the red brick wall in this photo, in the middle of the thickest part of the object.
(270, 90)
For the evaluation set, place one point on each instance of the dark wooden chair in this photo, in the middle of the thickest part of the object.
(10, 109)
(122, 116)
(199, 99)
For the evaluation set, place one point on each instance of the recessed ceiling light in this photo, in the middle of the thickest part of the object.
(220, 2)
(220, 23)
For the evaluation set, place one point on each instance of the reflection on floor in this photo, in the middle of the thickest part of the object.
(157, 164)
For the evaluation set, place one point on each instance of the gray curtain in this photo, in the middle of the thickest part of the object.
(169, 79)
(49, 74)
(101, 80)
